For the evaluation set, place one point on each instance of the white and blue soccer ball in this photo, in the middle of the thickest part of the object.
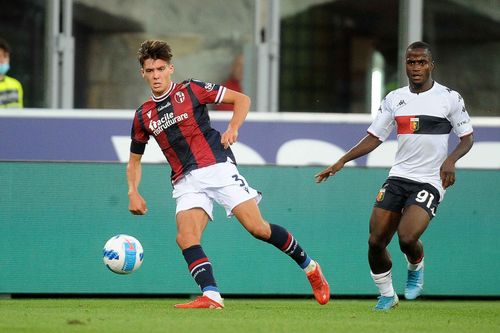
(123, 254)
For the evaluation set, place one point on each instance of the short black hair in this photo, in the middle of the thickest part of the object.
(4, 45)
(154, 49)
(420, 45)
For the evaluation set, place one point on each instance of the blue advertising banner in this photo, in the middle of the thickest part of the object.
(265, 138)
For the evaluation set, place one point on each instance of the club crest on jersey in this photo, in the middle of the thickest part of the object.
(179, 97)
(380, 195)
(414, 124)
(209, 86)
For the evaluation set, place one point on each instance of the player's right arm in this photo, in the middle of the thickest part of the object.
(363, 147)
(137, 204)
(378, 131)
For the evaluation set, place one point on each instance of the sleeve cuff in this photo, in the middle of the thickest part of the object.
(137, 147)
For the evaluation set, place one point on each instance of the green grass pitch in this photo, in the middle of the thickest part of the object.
(246, 315)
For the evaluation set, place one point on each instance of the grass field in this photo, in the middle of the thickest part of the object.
(245, 315)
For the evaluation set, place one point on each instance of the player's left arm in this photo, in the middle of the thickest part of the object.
(462, 127)
(447, 171)
(241, 105)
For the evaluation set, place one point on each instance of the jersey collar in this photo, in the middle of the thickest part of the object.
(165, 95)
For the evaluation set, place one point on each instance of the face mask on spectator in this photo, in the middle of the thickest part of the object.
(4, 68)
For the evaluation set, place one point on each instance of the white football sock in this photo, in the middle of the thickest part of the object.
(214, 296)
(415, 267)
(384, 283)
(311, 267)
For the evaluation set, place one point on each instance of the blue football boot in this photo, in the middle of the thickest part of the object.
(386, 303)
(414, 284)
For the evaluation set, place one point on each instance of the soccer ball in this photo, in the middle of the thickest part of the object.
(123, 254)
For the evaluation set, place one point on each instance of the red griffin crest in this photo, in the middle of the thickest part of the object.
(414, 124)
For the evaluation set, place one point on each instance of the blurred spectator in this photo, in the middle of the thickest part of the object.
(11, 90)
(233, 82)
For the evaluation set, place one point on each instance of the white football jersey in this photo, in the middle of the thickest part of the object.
(423, 122)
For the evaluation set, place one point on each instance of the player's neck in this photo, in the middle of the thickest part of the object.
(163, 92)
(420, 88)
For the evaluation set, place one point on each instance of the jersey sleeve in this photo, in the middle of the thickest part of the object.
(208, 93)
(139, 135)
(383, 124)
(458, 116)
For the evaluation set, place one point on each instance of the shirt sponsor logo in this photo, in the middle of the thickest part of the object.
(168, 119)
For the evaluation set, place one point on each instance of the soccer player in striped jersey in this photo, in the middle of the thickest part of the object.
(203, 170)
(423, 113)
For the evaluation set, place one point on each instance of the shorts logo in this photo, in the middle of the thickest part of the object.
(381, 194)
(179, 97)
(414, 124)
(209, 86)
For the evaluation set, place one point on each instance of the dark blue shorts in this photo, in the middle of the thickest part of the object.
(398, 193)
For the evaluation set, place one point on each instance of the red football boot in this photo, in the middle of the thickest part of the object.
(319, 285)
(201, 302)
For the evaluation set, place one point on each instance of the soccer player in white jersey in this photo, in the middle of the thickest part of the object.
(423, 113)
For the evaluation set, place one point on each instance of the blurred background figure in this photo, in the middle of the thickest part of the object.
(11, 90)
(233, 82)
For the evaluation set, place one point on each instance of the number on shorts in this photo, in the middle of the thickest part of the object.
(236, 178)
(422, 197)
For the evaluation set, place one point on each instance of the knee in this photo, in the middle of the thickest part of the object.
(407, 242)
(377, 244)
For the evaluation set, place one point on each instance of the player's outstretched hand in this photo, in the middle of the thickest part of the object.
(330, 171)
(137, 204)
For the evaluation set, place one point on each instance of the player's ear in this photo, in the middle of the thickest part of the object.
(142, 72)
(171, 68)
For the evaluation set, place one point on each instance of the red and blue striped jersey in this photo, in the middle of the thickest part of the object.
(180, 124)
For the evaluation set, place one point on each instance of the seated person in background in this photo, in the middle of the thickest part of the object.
(11, 90)
(233, 82)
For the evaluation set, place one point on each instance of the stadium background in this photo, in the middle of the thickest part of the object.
(56, 216)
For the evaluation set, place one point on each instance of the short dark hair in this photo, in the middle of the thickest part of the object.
(420, 45)
(154, 49)
(4, 45)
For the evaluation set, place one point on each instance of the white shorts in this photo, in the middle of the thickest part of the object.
(220, 182)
